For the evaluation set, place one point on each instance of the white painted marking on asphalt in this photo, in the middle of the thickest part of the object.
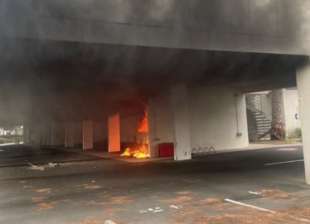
(249, 206)
(264, 209)
(284, 162)
(287, 149)
(7, 144)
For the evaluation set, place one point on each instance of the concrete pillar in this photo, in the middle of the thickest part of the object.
(114, 133)
(27, 134)
(53, 134)
(88, 135)
(152, 129)
(181, 122)
(303, 84)
(69, 135)
(161, 128)
(278, 115)
(56, 134)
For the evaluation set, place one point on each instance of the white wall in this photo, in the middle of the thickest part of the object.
(291, 110)
(218, 119)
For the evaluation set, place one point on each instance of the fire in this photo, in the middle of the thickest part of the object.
(143, 126)
(141, 148)
(138, 152)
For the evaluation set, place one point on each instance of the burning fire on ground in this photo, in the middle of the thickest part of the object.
(141, 149)
(138, 152)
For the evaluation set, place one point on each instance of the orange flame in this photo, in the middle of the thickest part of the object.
(143, 127)
(139, 152)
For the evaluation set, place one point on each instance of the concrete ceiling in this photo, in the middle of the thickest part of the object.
(265, 26)
(74, 80)
(61, 66)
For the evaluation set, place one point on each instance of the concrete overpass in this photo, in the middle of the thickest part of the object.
(243, 25)
(188, 63)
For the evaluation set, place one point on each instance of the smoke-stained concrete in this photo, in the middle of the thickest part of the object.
(273, 26)
(75, 81)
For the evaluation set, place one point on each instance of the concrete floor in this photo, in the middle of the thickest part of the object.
(86, 190)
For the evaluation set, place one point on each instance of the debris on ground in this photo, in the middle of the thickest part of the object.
(158, 209)
(45, 206)
(42, 167)
(254, 192)
(44, 190)
(143, 211)
(175, 207)
(152, 210)
(52, 165)
(109, 222)
(91, 186)
(275, 194)
(35, 167)
(271, 193)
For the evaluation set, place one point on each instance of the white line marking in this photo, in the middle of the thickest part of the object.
(264, 209)
(249, 206)
(285, 162)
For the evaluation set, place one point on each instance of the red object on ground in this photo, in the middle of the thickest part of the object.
(166, 150)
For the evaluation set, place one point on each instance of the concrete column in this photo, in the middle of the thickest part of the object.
(26, 134)
(278, 114)
(53, 134)
(161, 127)
(114, 133)
(88, 135)
(303, 84)
(56, 134)
(181, 120)
(69, 135)
(152, 129)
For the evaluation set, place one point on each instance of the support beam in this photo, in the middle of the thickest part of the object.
(88, 135)
(303, 84)
(180, 113)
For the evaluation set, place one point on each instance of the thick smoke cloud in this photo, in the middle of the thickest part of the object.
(58, 58)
